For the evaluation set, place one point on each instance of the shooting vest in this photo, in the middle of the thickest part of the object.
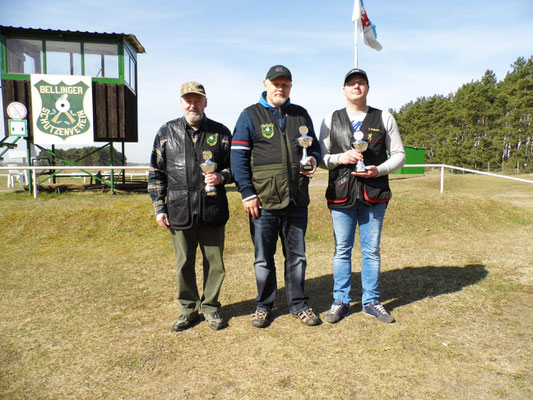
(344, 189)
(275, 158)
(186, 195)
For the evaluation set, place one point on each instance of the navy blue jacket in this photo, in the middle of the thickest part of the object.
(243, 143)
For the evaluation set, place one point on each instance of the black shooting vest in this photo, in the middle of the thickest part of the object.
(275, 159)
(344, 189)
(186, 197)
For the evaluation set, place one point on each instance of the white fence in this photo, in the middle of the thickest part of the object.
(33, 170)
(146, 169)
(473, 171)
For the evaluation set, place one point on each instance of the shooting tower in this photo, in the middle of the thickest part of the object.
(109, 59)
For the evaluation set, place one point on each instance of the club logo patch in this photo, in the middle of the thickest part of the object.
(211, 139)
(62, 113)
(267, 130)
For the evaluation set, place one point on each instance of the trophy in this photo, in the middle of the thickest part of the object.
(207, 167)
(305, 141)
(359, 145)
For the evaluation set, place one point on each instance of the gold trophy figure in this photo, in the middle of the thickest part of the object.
(360, 146)
(208, 166)
(305, 141)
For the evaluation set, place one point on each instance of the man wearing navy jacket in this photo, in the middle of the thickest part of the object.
(266, 161)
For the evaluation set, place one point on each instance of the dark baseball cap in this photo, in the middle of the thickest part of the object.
(278, 70)
(355, 71)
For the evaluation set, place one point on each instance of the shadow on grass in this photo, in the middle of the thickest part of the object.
(398, 287)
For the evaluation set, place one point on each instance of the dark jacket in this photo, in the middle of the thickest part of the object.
(266, 155)
(344, 189)
(176, 185)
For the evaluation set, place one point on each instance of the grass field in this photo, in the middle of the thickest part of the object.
(87, 285)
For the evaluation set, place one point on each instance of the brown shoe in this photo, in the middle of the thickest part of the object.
(185, 321)
(308, 317)
(215, 321)
(261, 318)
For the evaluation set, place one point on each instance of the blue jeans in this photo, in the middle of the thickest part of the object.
(370, 220)
(290, 224)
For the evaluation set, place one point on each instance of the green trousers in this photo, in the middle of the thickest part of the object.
(211, 242)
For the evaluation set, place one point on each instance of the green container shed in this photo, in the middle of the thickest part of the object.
(413, 155)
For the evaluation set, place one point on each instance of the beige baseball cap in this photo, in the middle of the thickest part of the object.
(192, 87)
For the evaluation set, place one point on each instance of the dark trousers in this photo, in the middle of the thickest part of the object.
(211, 242)
(290, 224)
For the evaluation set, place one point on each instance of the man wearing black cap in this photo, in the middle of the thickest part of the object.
(266, 161)
(191, 203)
(358, 198)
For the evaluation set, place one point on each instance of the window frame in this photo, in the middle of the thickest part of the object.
(121, 45)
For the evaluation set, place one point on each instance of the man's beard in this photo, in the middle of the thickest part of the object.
(278, 101)
(193, 118)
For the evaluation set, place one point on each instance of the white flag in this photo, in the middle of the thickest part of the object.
(367, 28)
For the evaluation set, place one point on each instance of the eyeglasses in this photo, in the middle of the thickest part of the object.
(358, 82)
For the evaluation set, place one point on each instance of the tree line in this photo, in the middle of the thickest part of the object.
(89, 156)
(485, 125)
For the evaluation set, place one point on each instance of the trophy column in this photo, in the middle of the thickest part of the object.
(305, 141)
(208, 166)
(360, 146)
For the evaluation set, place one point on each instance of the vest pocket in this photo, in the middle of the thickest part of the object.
(267, 190)
(376, 191)
(179, 212)
(215, 210)
(338, 191)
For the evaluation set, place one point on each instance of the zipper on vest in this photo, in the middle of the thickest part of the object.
(288, 158)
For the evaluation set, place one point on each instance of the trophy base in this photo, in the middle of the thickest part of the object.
(210, 190)
(306, 167)
(361, 170)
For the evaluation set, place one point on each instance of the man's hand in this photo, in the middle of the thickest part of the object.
(350, 157)
(212, 178)
(162, 220)
(253, 207)
(312, 161)
(371, 172)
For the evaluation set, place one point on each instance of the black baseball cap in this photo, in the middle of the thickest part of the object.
(278, 70)
(355, 71)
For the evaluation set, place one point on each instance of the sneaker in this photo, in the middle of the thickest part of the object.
(185, 321)
(375, 309)
(308, 317)
(337, 311)
(261, 318)
(215, 321)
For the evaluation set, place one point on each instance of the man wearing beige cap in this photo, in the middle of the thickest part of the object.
(191, 165)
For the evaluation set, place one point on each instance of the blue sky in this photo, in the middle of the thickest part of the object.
(429, 47)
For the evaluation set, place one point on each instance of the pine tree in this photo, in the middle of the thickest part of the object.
(484, 124)
(516, 100)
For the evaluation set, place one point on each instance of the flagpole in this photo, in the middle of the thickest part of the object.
(356, 34)
(356, 19)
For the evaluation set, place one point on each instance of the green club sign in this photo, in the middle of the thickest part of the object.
(62, 112)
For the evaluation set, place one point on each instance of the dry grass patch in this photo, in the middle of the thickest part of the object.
(88, 299)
